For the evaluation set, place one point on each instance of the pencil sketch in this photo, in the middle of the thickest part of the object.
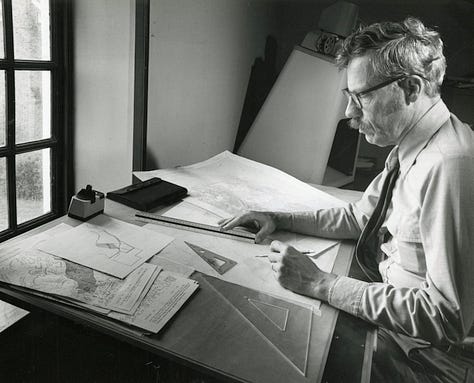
(111, 246)
(106, 245)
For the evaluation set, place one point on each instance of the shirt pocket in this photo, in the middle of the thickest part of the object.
(405, 227)
(407, 242)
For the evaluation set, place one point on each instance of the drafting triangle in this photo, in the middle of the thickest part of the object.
(275, 314)
(268, 316)
(218, 262)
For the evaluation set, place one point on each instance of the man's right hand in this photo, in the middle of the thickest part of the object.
(264, 222)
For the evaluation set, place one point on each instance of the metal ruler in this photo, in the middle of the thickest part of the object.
(196, 227)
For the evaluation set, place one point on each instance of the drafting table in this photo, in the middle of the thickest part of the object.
(207, 335)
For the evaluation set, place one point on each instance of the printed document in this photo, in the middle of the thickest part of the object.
(166, 296)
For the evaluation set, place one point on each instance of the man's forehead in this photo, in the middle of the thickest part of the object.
(357, 73)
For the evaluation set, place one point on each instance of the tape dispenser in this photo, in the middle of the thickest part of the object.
(87, 203)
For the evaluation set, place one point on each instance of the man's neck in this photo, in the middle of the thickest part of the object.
(422, 106)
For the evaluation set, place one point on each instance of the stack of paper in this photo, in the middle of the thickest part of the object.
(145, 295)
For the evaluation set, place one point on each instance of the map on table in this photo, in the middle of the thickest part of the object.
(25, 265)
(228, 184)
(147, 298)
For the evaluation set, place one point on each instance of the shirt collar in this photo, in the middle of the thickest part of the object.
(417, 137)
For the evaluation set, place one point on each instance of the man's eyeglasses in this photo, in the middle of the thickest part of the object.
(356, 96)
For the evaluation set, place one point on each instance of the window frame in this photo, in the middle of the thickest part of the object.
(60, 143)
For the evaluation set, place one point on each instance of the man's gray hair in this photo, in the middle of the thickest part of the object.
(397, 49)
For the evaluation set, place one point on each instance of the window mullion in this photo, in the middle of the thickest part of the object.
(10, 112)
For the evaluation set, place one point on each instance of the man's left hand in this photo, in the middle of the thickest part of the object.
(297, 272)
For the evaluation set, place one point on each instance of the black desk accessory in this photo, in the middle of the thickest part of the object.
(149, 194)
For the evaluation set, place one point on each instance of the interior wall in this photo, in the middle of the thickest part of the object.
(201, 54)
(103, 80)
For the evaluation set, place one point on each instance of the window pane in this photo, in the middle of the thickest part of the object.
(3, 118)
(31, 29)
(33, 184)
(2, 46)
(3, 195)
(33, 105)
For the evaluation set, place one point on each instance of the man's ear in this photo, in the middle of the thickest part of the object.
(412, 87)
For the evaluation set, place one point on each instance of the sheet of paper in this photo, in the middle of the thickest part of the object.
(250, 271)
(9, 315)
(132, 289)
(143, 293)
(170, 265)
(166, 296)
(23, 264)
(227, 184)
(106, 244)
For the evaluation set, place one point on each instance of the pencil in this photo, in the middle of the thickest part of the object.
(306, 252)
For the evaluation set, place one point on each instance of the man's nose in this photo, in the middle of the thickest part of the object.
(352, 110)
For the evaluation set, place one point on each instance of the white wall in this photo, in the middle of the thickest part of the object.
(201, 54)
(104, 67)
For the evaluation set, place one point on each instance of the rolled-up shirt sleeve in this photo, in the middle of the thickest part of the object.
(441, 310)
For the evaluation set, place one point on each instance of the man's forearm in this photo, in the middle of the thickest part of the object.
(336, 223)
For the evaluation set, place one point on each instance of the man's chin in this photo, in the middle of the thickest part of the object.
(375, 140)
(369, 138)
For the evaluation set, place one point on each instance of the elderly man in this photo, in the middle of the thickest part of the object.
(415, 222)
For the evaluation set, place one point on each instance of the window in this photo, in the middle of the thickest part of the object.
(34, 164)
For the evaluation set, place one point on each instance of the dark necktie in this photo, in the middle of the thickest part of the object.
(368, 243)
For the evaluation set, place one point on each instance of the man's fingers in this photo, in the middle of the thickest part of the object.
(276, 267)
(263, 233)
(275, 257)
(253, 220)
(278, 246)
(223, 221)
(234, 221)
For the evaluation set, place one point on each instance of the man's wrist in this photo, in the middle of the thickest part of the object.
(322, 287)
(283, 221)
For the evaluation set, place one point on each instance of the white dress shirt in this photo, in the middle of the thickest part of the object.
(427, 294)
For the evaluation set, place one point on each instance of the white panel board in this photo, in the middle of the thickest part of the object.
(295, 128)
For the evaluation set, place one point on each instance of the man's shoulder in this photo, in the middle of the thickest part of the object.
(455, 139)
